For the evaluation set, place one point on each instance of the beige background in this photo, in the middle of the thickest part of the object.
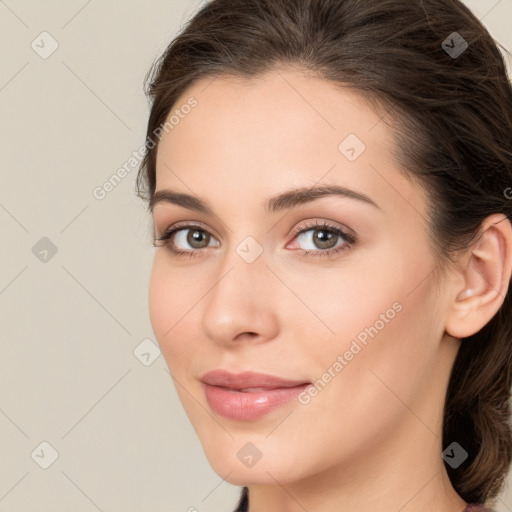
(70, 324)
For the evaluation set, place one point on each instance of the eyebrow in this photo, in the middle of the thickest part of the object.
(284, 201)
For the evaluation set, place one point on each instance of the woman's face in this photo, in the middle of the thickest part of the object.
(360, 317)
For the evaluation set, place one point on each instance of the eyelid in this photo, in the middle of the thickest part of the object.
(185, 224)
(321, 222)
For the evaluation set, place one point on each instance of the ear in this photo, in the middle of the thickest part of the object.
(484, 273)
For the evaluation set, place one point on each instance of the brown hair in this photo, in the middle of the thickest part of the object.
(452, 115)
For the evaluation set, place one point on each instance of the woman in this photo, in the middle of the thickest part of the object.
(330, 184)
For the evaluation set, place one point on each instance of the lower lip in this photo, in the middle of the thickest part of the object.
(248, 406)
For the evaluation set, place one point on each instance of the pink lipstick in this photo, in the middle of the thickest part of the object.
(248, 396)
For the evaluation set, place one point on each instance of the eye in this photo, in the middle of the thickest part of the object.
(323, 239)
(195, 237)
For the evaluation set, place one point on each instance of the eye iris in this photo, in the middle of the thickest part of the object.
(326, 236)
(197, 236)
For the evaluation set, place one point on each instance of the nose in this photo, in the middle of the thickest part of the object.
(239, 306)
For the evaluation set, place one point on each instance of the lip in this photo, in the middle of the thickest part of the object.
(238, 381)
(248, 395)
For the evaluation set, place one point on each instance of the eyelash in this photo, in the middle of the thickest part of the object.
(315, 226)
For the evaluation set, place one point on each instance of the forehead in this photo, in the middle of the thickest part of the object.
(285, 128)
(280, 107)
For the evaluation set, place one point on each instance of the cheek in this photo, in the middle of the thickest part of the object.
(380, 322)
(173, 291)
(339, 303)
(161, 299)
(172, 296)
(388, 350)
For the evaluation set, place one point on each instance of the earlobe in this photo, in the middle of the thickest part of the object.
(485, 271)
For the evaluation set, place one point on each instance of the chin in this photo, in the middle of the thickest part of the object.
(234, 465)
(247, 476)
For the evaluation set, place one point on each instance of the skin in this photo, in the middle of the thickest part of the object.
(371, 438)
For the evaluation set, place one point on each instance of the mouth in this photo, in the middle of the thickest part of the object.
(248, 380)
(249, 390)
(248, 396)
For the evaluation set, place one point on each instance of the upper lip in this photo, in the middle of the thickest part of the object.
(247, 379)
